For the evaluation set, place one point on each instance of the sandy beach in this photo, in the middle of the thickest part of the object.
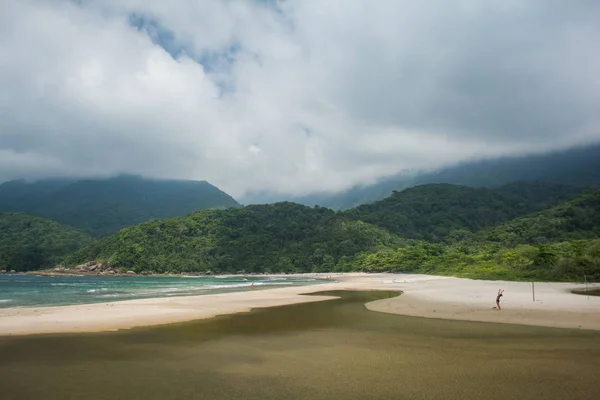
(423, 296)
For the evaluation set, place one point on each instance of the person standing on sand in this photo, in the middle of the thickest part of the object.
(500, 291)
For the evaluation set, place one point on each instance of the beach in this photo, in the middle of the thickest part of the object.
(422, 296)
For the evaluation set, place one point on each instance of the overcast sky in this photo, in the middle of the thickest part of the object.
(291, 96)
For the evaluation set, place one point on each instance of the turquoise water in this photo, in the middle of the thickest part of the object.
(18, 290)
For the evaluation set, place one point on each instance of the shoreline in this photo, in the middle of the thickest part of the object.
(427, 296)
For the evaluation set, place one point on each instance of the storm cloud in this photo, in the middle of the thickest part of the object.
(290, 96)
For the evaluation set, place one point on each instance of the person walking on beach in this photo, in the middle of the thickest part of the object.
(500, 291)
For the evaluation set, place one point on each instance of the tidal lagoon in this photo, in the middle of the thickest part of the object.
(334, 349)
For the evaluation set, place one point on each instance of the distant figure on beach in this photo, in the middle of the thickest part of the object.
(500, 291)
(252, 286)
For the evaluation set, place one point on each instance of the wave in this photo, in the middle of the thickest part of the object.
(235, 285)
(96, 290)
(117, 295)
(74, 284)
(5, 300)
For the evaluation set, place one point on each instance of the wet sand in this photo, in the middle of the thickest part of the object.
(331, 350)
(423, 295)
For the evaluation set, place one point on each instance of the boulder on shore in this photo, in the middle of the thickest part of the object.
(96, 267)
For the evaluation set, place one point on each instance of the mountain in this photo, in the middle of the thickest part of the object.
(102, 206)
(281, 237)
(20, 195)
(442, 212)
(28, 242)
(357, 195)
(577, 167)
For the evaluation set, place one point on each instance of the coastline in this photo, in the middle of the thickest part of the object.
(426, 296)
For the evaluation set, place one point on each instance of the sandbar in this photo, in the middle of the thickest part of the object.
(422, 296)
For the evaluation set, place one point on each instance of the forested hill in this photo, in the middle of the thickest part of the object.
(443, 212)
(560, 243)
(28, 242)
(578, 218)
(438, 228)
(102, 206)
(282, 237)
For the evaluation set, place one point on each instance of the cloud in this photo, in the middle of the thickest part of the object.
(290, 96)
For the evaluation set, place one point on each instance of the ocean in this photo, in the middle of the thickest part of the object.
(19, 290)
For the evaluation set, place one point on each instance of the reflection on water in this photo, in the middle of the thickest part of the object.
(327, 350)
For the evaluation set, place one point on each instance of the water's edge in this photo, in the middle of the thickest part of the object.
(23, 290)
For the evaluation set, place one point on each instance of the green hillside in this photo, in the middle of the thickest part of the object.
(560, 243)
(282, 237)
(572, 220)
(102, 206)
(437, 228)
(29, 243)
(444, 212)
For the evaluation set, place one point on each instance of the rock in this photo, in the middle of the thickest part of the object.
(12, 271)
(82, 267)
(3, 271)
(131, 273)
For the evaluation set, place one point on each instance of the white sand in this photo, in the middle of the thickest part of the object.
(424, 296)
(474, 300)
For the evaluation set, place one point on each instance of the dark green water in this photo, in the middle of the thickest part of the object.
(327, 350)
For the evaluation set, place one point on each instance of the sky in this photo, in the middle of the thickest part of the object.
(291, 96)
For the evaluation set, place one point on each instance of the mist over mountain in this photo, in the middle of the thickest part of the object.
(102, 206)
(578, 166)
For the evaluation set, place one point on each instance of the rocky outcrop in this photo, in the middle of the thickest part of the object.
(92, 267)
